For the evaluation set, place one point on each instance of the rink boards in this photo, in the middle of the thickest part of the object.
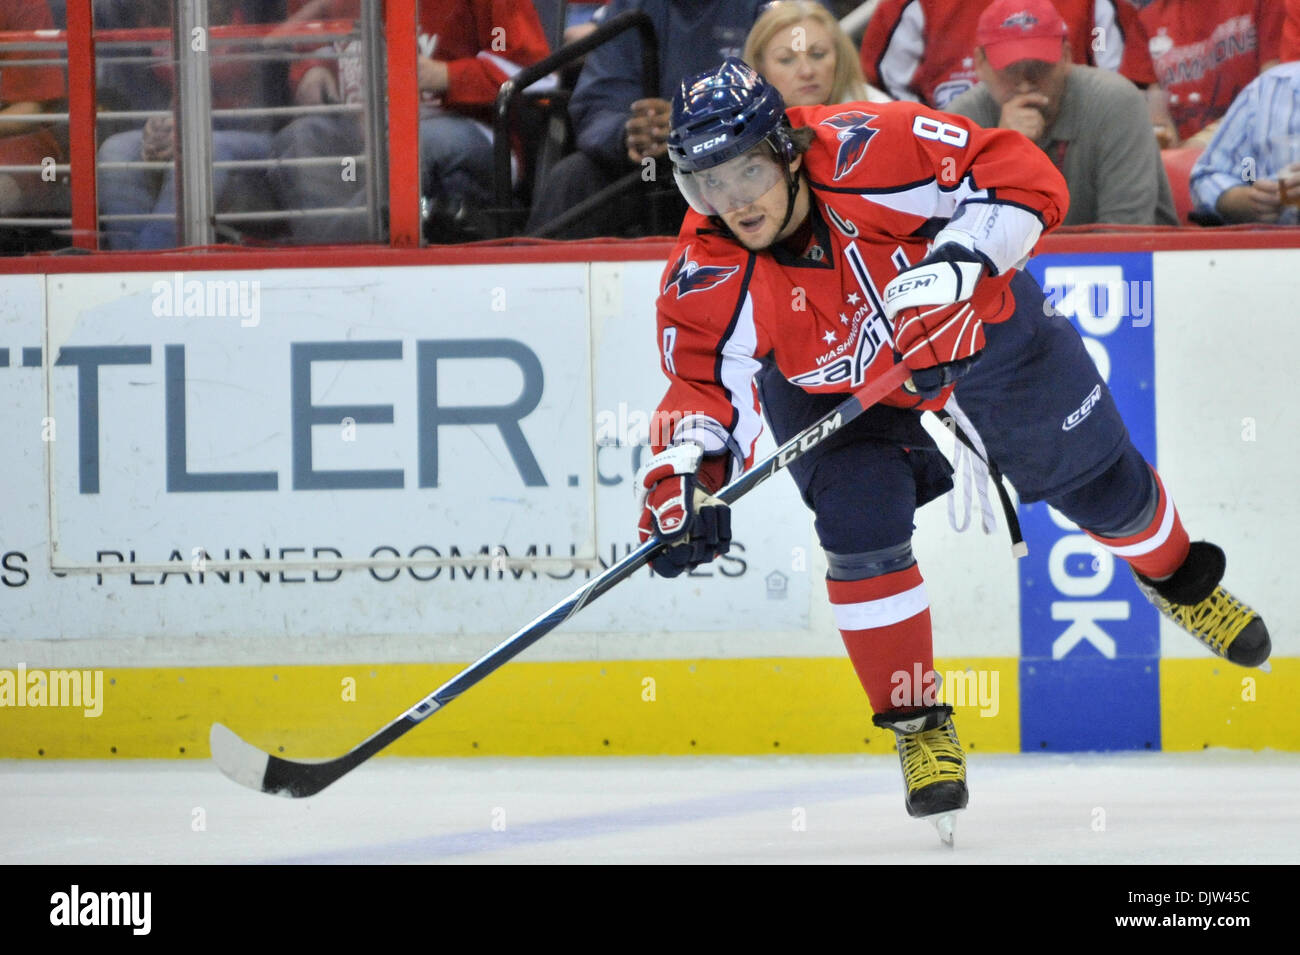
(297, 499)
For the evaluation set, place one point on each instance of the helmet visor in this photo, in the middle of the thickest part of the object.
(731, 185)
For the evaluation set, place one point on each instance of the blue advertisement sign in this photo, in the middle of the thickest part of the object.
(1089, 640)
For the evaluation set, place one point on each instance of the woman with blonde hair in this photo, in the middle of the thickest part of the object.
(800, 49)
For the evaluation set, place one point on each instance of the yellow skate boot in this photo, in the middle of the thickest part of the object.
(934, 766)
(1194, 599)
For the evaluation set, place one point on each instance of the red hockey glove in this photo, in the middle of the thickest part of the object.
(939, 343)
(673, 491)
(936, 331)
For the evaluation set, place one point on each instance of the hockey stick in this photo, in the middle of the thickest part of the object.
(250, 766)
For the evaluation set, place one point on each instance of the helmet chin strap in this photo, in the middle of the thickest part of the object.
(792, 193)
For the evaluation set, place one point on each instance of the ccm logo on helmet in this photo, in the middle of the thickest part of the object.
(709, 142)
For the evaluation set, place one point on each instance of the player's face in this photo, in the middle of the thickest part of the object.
(800, 63)
(758, 224)
(732, 185)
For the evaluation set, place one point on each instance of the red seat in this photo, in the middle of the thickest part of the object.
(1178, 167)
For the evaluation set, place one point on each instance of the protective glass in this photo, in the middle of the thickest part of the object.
(732, 185)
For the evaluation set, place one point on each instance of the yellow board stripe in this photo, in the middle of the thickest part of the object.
(1211, 703)
(625, 707)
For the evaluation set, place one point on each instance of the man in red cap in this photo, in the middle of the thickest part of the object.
(920, 50)
(1092, 123)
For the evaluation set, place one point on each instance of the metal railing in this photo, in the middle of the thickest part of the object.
(390, 161)
(515, 88)
(391, 180)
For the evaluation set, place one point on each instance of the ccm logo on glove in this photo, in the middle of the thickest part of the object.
(936, 332)
(906, 284)
(944, 277)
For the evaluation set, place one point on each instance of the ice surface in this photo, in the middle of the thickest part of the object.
(1208, 807)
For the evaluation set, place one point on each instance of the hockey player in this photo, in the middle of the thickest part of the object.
(824, 245)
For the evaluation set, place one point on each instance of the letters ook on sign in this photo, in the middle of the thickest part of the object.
(1090, 642)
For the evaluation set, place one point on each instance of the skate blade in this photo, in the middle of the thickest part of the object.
(946, 824)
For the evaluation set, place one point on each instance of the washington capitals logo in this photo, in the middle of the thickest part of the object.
(690, 276)
(853, 134)
(1024, 19)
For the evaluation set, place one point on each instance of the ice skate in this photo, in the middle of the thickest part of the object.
(1194, 599)
(934, 766)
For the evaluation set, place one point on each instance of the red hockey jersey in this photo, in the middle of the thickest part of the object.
(1289, 49)
(1208, 51)
(924, 50)
(483, 43)
(19, 84)
(887, 179)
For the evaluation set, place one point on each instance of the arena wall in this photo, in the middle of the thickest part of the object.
(294, 492)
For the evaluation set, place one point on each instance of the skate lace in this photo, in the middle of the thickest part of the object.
(1215, 621)
(931, 756)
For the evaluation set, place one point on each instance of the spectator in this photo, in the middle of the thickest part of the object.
(27, 91)
(1093, 123)
(1206, 51)
(1250, 172)
(583, 19)
(921, 49)
(619, 132)
(468, 48)
(236, 83)
(800, 49)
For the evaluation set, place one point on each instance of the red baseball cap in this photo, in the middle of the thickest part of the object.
(1014, 30)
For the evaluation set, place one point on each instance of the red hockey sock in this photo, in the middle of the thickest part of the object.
(1158, 549)
(885, 623)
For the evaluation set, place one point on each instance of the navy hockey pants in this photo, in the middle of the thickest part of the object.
(1034, 378)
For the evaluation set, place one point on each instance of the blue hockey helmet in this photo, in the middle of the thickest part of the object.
(719, 116)
(722, 113)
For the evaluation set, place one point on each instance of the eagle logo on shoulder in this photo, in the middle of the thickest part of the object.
(854, 134)
(688, 276)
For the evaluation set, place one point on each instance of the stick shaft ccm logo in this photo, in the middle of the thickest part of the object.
(808, 441)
